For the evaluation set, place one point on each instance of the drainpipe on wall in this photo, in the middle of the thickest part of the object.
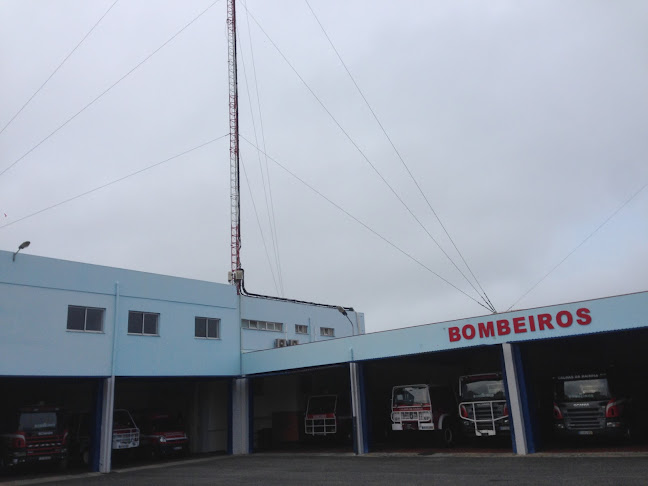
(240, 326)
(108, 405)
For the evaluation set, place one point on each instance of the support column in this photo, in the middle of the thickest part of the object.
(360, 443)
(241, 416)
(107, 408)
(517, 399)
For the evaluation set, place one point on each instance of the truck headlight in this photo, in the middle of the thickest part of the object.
(162, 440)
(396, 417)
(425, 416)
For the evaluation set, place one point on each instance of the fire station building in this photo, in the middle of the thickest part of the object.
(239, 370)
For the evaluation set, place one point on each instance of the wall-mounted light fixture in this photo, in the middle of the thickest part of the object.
(343, 311)
(22, 246)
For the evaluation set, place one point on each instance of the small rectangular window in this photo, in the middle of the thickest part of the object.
(85, 318)
(144, 323)
(327, 331)
(207, 328)
(262, 325)
(301, 329)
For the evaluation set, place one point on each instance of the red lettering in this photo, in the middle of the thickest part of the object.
(544, 320)
(468, 331)
(568, 319)
(454, 334)
(518, 325)
(503, 327)
(584, 315)
(486, 330)
(532, 323)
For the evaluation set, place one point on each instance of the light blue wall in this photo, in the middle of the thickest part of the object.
(35, 293)
(34, 296)
(290, 314)
(176, 351)
(608, 314)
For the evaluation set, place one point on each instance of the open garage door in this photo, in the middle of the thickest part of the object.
(174, 417)
(37, 422)
(413, 402)
(588, 392)
(308, 410)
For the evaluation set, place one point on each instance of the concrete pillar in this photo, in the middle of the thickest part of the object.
(107, 408)
(241, 416)
(513, 378)
(360, 443)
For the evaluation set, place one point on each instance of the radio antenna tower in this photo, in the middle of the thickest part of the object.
(235, 276)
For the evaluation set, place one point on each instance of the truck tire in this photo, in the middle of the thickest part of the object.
(63, 464)
(448, 435)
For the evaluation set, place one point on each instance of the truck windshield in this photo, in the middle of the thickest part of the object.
(164, 424)
(410, 395)
(483, 390)
(587, 389)
(37, 420)
(322, 404)
(122, 420)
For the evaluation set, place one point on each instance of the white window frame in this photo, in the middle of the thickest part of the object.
(85, 319)
(144, 314)
(301, 329)
(327, 331)
(262, 325)
(207, 320)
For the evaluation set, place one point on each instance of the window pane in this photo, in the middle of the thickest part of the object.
(201, 327)
(135, 322)
(76, 318)
(212, 328)
(150, 323)
(94, 319)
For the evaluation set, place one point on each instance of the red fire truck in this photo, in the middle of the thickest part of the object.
(321, 416)
(424, 408)
(162, 434)
(33, 435)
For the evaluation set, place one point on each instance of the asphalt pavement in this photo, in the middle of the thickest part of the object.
(375, 469)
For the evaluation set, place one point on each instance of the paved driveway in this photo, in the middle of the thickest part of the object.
(377, 469)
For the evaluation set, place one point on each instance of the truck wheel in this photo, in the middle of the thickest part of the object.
(448, 436)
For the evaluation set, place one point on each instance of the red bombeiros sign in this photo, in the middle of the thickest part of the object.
(519, 325)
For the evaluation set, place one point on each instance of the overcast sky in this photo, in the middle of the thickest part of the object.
(524, 122)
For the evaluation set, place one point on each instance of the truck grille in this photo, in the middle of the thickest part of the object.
(37, 446)
(485, 414)
(125, 438)
(409, 415)
(322, 426)
(584, 418)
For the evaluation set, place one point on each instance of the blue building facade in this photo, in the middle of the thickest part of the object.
(137, 337)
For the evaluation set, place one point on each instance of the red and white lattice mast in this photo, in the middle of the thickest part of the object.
(236, 273)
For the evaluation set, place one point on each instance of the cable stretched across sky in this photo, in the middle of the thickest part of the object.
(115, 181)
(58, 67)
(409, 172)
(19, 159)
(390, 243)
(607, 220)
(366, 159)
(265, 176)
